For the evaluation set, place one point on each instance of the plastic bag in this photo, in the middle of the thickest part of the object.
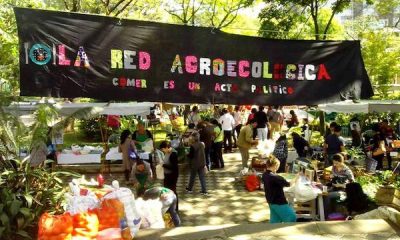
(303, 191)
(151, 213)
(148, 146)
(86, 225)
(127, 198)
(55, 226)
(109, 234)
(77, 203)
(252, 183)
(160, 171)
(265, 148)
(110, 213)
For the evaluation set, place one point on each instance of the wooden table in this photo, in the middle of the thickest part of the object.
(289, 177)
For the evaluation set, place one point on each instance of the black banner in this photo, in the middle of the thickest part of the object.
(79, 55)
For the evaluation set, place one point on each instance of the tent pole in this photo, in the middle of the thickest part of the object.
(322, 123)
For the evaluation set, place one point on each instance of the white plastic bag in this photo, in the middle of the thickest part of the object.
(303, 191)
(160, 171)
(147, 146)
(265, 148)
(126, 197)
(77, 203)
(151, 213)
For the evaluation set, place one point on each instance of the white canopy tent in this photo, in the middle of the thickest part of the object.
(66, 109)
(364, 106)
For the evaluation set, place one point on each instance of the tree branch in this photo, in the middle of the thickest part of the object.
(115, 6)
(66, 5)
(229, 12)
(174, 14)
(221, 25)
(125, 6)
(397, 23)
(314, 15)
(213, 13)
(194, 11)
(185, 12)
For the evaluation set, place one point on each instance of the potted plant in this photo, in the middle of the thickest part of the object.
(388, 192)
(356, 154)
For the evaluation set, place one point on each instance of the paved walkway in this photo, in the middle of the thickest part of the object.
(354, 230)
(228, 201)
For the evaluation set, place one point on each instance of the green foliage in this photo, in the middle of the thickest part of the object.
(386, 178)
(285, 18)
(355, 152)
(369, 184)
(388, 9)
(214, 13)
(26, 193)
(127, 122)
(381, 52)
(91, 128)
(206, 115)
(343, 119)
(279, 20)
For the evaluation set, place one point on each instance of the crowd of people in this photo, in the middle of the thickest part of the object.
(241, 128)
(230, 128)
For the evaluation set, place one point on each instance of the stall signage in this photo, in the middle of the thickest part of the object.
(79, 55)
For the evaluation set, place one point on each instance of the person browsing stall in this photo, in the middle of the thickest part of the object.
(300, 144)
(294, 121)
(141, 176)
(334, 144)
(281, 152)
(280, 210)
(170, 164)
(194, 116)
(126, 146)
(216, 152)
(227, 122)
(245, 141)
(168, 199)
(262, 129)
(197, 162)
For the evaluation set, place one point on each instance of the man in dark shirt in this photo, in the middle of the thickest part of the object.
(300, 144)
(333, 144)
(261, 118)
(280, 210)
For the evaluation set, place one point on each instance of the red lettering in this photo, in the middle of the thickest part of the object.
(322, 73)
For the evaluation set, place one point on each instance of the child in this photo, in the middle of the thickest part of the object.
(280, 210)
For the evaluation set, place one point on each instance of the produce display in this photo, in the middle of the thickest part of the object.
(100, 213)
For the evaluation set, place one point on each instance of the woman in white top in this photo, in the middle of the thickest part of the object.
(227, 122)
(194, 117)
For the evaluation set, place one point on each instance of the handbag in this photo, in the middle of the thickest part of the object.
(378, 152)
(160, 171)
